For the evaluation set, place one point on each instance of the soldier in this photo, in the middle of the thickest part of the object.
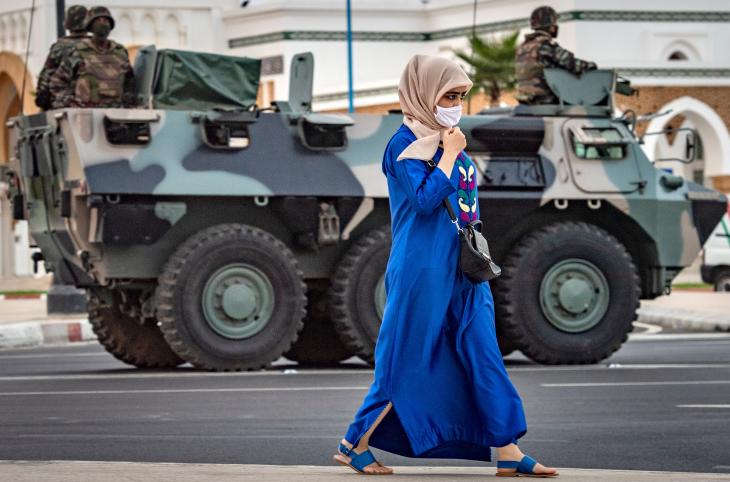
(97, 72)
(74, 23)
(540, 51)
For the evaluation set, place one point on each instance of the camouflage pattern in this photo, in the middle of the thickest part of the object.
(122, 209)
(91, 75)
(538, 52)
(58, 52)
(75, 19)
(97, 12)
(543, 18)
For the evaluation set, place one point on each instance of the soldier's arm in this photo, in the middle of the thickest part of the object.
(42, 92)
(564, 59)
(129, 98)
(60, 82)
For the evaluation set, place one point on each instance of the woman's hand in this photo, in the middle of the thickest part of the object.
(454, 141)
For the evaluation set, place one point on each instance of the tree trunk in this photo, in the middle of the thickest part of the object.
(494, 94)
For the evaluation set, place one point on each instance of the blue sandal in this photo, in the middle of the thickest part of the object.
(358, 462)
(524, 468)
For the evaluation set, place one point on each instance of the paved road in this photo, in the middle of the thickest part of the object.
(660, 403)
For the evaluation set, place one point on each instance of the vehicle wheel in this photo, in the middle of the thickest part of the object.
(505, 345)
(318, 343)
(568, 294)
(231, 298)
(357, 297)
(134, 343)
(722, 280)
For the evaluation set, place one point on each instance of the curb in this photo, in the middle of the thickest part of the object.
(690, 320)
(47, 332)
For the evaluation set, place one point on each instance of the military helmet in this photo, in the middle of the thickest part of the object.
(75, 18)
(98, 12)
(543, 17)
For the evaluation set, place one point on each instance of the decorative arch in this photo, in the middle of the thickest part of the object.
(22, 32)
(681, 50)
(13, 35)
(170, 34)
(123, 30)
(710, 127)
(147, 31)
(12, 70)
(3, 35)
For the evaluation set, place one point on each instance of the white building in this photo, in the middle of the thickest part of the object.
(675, 52)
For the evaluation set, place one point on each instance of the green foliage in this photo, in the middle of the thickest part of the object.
(493, 64)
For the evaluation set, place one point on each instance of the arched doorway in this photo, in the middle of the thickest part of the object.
(12, 70)
(715, 140)
(12, 94)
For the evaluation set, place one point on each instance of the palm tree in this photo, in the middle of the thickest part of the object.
(493, 65)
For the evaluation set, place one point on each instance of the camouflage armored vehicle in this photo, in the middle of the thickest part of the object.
(212, 232)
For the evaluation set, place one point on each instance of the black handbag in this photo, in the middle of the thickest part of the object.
(474, 258)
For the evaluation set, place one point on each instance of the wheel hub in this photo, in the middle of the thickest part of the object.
(238, 301)
(574, 295)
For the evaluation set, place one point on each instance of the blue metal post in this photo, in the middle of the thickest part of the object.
(350, 96)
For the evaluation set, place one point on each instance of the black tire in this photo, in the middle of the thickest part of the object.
(721, 280)
(318, 343)
(505, 344)
(181, 287)
(352, 298)
(141, 345)
(523, 319)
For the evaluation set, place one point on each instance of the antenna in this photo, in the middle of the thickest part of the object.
(27, 53)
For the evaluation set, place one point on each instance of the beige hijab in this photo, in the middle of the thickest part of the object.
(424, 81)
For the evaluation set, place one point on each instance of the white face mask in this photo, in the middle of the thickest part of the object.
(448, 116)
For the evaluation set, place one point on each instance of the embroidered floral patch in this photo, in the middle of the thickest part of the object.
(467, 191)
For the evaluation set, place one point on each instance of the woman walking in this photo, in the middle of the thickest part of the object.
(440, 387)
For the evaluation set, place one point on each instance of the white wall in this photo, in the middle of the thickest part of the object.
(621, 44)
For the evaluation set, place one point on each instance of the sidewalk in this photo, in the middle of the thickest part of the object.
(24, 322)
(63, 471)
(688, 310)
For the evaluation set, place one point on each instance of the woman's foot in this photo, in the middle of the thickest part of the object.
(375, 468)
(513, 453)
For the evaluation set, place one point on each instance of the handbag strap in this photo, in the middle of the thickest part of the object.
(446, 202)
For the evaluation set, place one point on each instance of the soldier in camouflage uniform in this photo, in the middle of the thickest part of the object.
(540, 51)
(97, 72)
(73, 22)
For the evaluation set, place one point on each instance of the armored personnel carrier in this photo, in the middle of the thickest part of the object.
(208, 231)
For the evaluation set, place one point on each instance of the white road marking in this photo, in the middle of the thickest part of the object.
(187, 373)
(635, 384)
(704, 406)
(134, 375)
(650, 329)
(180, 390)
(619, 366)
(679, 336)
(53, 355)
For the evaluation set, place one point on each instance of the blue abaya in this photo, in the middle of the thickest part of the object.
(436, 357)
